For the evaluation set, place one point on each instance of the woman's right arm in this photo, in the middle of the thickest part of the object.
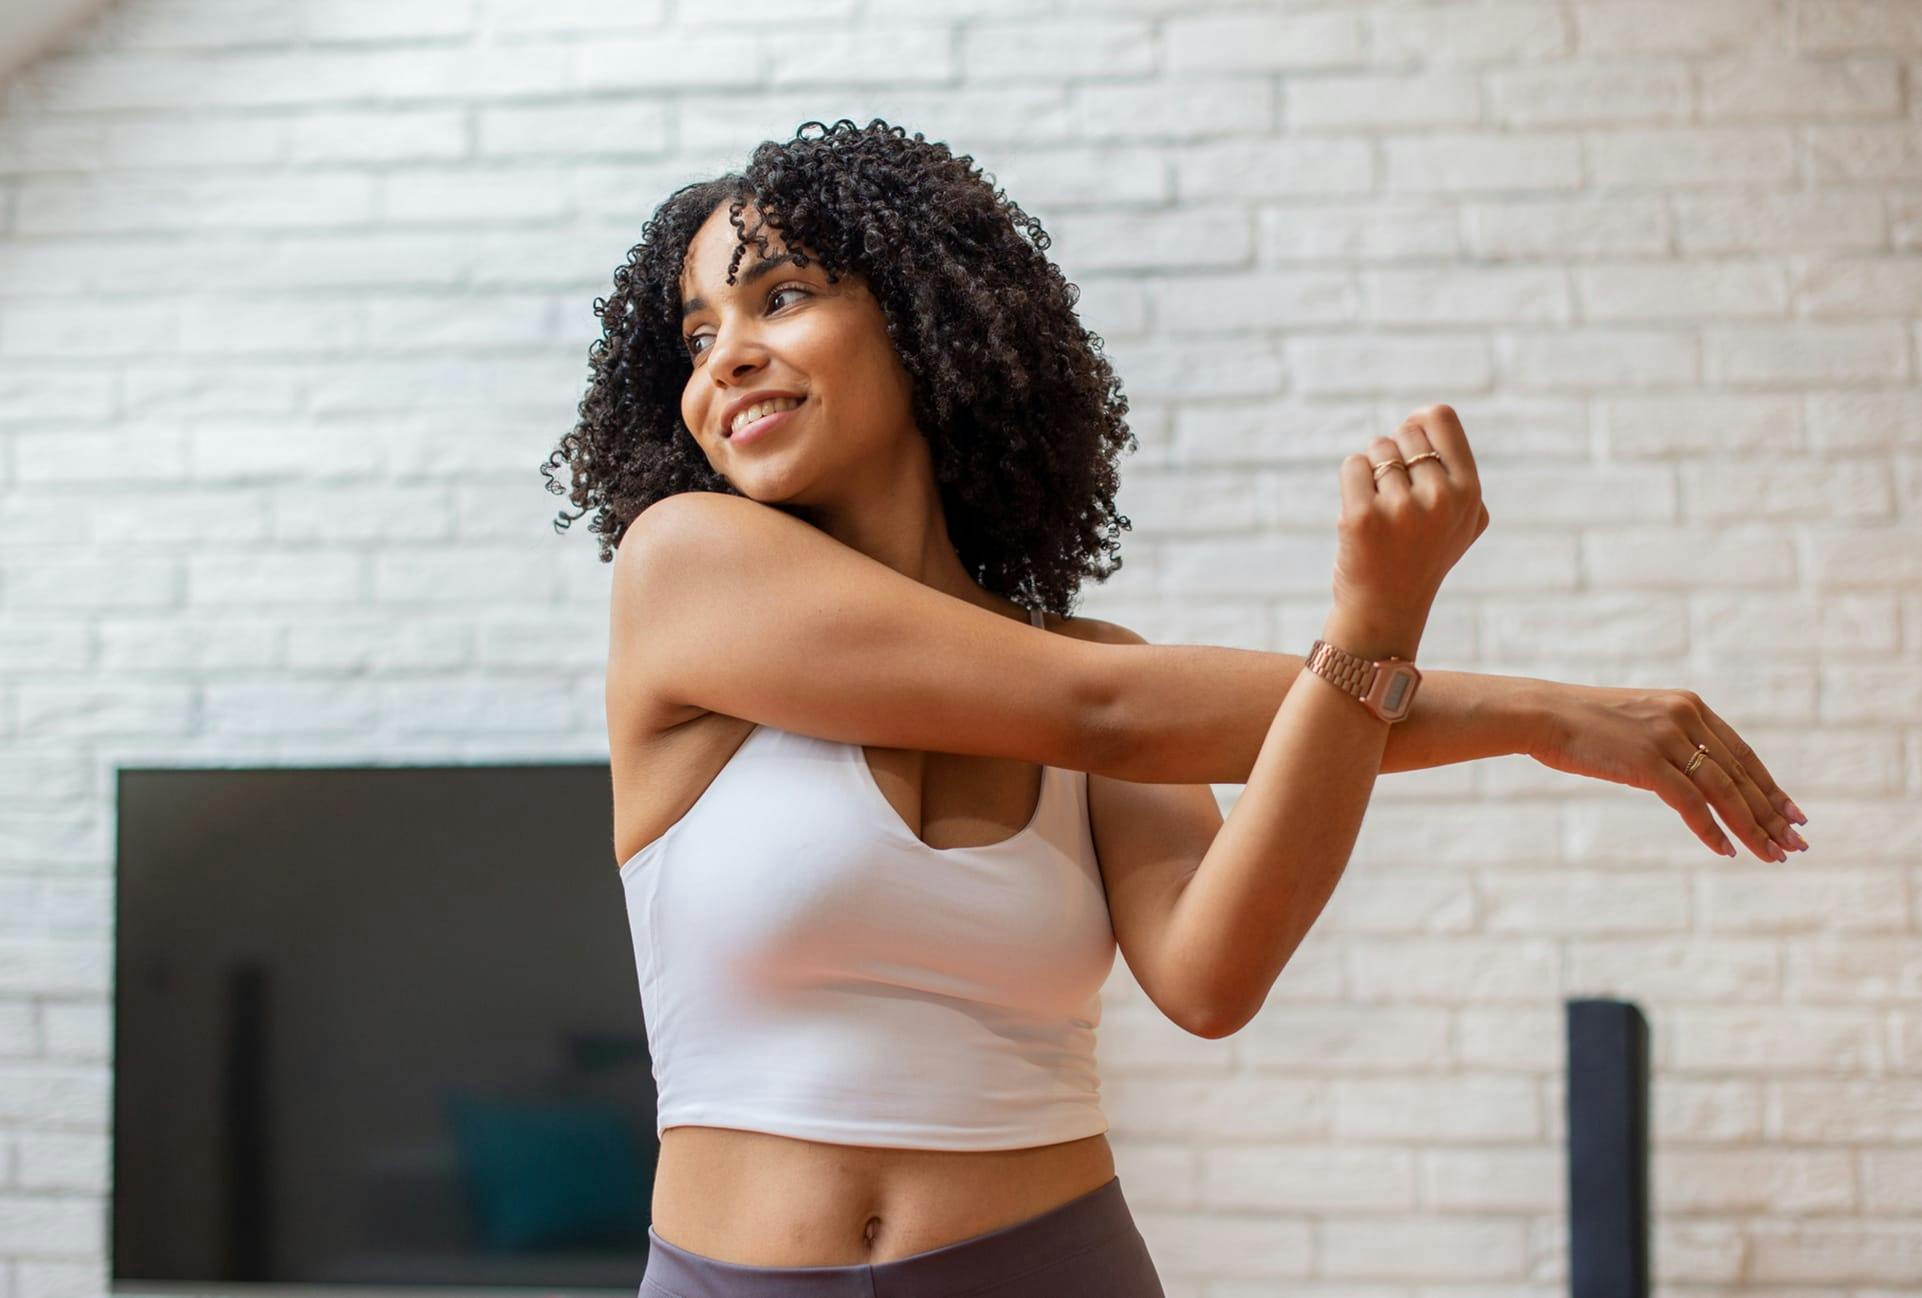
(727, 605)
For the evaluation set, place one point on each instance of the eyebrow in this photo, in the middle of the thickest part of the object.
(756, 269)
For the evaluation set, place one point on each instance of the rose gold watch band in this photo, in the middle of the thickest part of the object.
(1351, 672)
(1386, 687)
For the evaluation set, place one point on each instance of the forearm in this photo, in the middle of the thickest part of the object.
(1308, 765)
(1199, 714)
(1271, 869)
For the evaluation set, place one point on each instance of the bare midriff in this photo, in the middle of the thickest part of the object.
(758, 1199)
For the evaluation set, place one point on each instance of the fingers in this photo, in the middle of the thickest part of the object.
(1682, 793)
(1752, 763)
(1761, 816)
(1411, 443)
(1357, 484)
(1391, 482)
(1444, 433)
(1766, 818)
(1712, 781)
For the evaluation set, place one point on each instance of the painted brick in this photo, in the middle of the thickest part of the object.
(1585, 902)
(1424, 1248)
(1708, 224)
(1606, 93)
(1495, 1180)
(549, 131)
(1774, 1040)
(887, 56)
(1208, 43)
(1311, 1179)
(1130, 112)
(1084, 48)
(1828, 28)
(1454, 971)
(1703, 27)
(1592, 357)
(53, 1160)
(1477, 33)
(1764, 88)
(1377, 101)
(1452, 162)
(1576, 230)
(50, 1225)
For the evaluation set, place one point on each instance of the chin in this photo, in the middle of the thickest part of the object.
(771, 488)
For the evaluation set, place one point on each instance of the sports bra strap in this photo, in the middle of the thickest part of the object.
(1034, 616)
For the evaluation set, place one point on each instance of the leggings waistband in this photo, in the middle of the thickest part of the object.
(1079, 1225)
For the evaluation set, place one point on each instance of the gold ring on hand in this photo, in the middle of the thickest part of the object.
(1386, 465)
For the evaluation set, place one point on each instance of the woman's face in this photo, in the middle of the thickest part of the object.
(789, 330)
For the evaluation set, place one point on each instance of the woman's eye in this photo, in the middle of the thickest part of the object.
(785, 288)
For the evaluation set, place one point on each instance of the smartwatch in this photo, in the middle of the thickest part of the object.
(1385, 686)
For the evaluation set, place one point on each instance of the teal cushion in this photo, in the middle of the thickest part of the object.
(550, 1174)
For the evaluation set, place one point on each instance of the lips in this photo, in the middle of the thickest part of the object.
(747, 399)
(747, 430)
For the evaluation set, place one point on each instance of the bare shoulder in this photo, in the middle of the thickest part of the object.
(678, 537)
(693, 520)
(1094, 629)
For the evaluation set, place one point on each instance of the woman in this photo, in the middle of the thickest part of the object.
(878, 843)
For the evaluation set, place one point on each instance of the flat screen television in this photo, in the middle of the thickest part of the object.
(376, 1027)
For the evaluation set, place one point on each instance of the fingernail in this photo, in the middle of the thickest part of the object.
(1797, 839)
(1780, 855)
(1795, 812)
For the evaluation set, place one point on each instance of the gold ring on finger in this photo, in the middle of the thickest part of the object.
(1425, 455)
(1386, 465)
(1701, 751)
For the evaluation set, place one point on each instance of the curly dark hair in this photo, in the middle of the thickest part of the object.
(1023, 414)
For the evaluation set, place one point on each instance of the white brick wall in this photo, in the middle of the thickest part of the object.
(295, 295)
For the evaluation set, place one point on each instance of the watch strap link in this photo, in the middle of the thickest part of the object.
(1350, 672)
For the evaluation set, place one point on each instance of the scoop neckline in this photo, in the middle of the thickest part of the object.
(857, 753)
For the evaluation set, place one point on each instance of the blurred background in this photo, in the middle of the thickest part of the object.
(295, 297)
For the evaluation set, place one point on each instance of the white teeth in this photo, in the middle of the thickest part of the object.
(762, 410)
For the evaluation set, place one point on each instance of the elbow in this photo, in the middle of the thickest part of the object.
(1224, 1013)
(1216, 1024)
(1214, 1015)
(1198, 1017)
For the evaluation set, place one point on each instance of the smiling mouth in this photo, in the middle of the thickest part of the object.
(746, 430)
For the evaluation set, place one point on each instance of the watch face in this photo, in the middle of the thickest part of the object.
(1397, 696)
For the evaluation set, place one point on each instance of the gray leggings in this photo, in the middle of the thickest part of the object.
(1085, 1248)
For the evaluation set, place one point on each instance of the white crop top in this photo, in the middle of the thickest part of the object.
(809, 967)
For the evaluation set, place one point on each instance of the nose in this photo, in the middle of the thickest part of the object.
(733, 352)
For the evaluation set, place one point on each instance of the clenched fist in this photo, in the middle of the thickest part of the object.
(1404, 525)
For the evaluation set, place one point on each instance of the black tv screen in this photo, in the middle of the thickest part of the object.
(376, 1026)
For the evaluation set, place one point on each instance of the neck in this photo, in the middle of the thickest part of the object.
(895, 517)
